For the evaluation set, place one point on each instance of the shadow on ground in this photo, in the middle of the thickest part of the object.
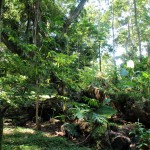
(29, 139)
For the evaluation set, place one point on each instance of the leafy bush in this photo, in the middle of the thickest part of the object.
(94, 114)
(70, 129)
(138, 82)
(142, 134)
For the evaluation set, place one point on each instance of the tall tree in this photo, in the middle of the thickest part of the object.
(138, 30)
(113, 41)
(2, 113)
(1, 4)
(148, 54)
(36, 42)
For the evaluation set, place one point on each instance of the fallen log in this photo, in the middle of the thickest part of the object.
(133, 109)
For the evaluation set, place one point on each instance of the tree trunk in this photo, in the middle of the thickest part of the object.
(148, 62)
(36, 42)
(148, 53)
(2, 113)
(73, 15)
(113, 35)
(137, 29)
(37, 115)
(1, 130)
(1, 4)
(100, 58)
(12, 46)
(128, 38)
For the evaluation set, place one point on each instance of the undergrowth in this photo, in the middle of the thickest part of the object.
(28, 139)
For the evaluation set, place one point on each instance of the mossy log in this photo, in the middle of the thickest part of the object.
(133, 108)
(47, 109)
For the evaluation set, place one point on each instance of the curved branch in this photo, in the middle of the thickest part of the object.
(13, 47)
(73, 15)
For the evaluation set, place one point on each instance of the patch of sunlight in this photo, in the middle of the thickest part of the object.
(18, 129)
(47, 134)
(24, 130)
(8, 130)
(21, 147)
(130, 64)
(119, 62)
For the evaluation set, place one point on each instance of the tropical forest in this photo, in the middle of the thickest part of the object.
(74, 74)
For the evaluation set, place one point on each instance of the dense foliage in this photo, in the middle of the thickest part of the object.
(55, 48)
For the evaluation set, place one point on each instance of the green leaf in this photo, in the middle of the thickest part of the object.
(97, 118)
(124, 72)
(107, 111)
(79, 113)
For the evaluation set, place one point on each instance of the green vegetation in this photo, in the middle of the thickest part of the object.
(29, 139)
(142, 134)
(59, 60)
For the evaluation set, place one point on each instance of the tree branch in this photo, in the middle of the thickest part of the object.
(13, 47)
(73, 15)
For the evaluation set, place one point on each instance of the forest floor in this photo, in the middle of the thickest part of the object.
(21, 138)
(51, 137)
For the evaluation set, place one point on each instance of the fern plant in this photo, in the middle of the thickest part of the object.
(80, 113)
(98, 119)
(91, 102)
(94, 114)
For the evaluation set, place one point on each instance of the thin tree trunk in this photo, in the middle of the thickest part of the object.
(128, 39)
(148, 54)
(1, 130)
(113, 35)
(138, 30)
(1, 4)
(2, 113)
(37, 43)
(100, 58)
(131, 31)
(28, 23)
(37, 113)
(36, 22)
(148, 62)
(126, 46)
